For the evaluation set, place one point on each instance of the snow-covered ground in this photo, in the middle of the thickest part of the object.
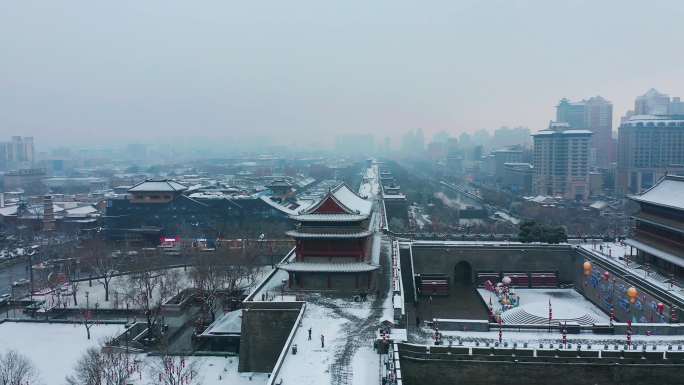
(314, 364)
(566, 304)
(93, 295)
(53, 348)
(507, 217)
(120, 291)
(366, 364)
(419, 217)
(211, 371)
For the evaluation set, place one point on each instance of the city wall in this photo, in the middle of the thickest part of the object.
(265, 328)
(442, 258)
(505, 367)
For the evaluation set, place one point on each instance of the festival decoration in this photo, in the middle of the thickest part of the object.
(633, 294)
(606, 276)
(587, 268)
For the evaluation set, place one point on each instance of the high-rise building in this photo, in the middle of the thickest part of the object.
(598, 118)
(676, 106)
(17, 153)
(571, 113)
(561, 161)
(655, 103)
(596, 115)
(649, 147)
(503, 156)
(652, 103)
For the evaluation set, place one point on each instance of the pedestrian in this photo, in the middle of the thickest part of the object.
(417, 321)
(309, 334)
(322, 341)
(430, 300)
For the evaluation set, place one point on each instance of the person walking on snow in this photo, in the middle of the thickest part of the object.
(322, 341)
(309, 334)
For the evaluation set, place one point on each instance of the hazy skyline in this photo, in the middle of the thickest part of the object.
(82, 72)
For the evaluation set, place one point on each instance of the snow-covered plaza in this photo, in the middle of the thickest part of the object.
(53, 348)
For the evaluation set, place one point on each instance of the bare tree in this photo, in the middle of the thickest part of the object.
(148, 289)
(101, 366)
(73, 284)
(16, 369)
(174, 370)
(100, 261)
(209, 278)
(87, 316)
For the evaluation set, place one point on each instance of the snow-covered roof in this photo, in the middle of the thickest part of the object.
(599, 205)
(394, 196)
(152, 185)
(82, 211)
(278, 206)
(653, 120)
(349, 201)
(562, 132)
(8, 210)
(352, 267)
(668, 192)
(279, 183)
(329, 217)
(352, 200)
(656, 251)
(228, 323)
(327, 233)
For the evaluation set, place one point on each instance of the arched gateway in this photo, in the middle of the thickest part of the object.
(463, 273)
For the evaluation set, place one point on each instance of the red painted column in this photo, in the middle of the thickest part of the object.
(290, 277)
(329, 282)
(356, 281)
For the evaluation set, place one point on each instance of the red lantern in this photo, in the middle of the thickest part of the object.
(606, 276)
(661, 307)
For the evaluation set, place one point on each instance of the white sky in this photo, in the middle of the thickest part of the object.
(88, 71)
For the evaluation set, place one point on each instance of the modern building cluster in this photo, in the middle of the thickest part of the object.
(576, 157)
(650, 142)
(17, 153)
(596, 115)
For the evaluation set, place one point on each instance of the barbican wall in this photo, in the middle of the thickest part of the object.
(509, 367)
(471, 372)
(442, 259)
